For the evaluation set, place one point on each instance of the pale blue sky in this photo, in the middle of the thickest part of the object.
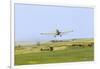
(31, 20)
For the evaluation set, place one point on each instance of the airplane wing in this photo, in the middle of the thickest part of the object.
(66, 32)
(47, 33)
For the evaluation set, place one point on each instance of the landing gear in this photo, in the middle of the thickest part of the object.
(60, 35)
(55, 36)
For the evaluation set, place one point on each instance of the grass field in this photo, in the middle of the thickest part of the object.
(69, 54)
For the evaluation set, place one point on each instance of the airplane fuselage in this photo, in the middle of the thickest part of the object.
(58, 32)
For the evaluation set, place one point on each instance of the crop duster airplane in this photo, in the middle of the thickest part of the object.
(57, 33)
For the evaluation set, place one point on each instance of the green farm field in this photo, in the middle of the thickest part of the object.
(65, 51)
